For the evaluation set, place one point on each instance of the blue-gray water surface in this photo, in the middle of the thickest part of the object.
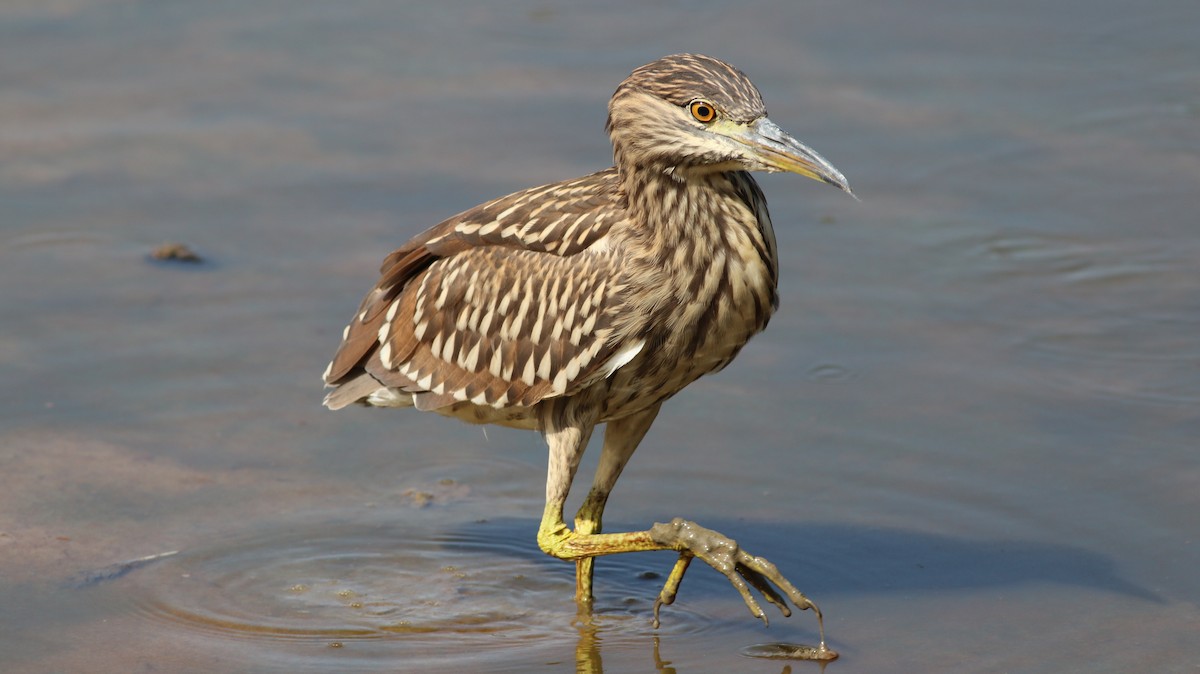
(970, 433)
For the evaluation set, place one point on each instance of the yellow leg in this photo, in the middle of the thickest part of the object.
(567, 425)
(587, 522)
(621, 438)
(742, 569)
(583, 581)
(557, 540)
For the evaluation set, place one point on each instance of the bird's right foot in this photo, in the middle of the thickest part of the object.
(741, 568)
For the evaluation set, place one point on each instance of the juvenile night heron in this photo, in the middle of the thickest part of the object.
(593, 300)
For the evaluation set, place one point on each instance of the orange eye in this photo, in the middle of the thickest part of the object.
(703, 111)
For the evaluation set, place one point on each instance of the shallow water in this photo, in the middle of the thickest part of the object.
(970, 433)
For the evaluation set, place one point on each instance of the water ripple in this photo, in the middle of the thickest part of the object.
(388, 591)
(1148, 358)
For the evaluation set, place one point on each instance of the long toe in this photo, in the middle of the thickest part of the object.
(742, 569)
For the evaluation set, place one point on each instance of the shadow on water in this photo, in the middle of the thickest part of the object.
(837, 559)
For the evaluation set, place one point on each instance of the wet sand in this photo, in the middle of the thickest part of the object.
(970, 432)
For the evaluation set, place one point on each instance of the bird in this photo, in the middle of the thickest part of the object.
(592, 301)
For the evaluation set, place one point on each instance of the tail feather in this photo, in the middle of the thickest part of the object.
(351, 391)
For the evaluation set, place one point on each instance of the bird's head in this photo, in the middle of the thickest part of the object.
(689, 114)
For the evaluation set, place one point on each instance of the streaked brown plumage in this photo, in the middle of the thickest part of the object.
(593, 300)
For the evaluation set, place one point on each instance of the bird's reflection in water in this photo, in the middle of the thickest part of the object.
(587, 650)
(661, 665)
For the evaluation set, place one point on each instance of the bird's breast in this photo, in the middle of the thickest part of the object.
(696, 307)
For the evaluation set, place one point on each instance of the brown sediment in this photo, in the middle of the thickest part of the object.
(172, 251)
(785, 651)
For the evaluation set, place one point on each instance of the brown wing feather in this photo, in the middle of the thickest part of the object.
(495, 305)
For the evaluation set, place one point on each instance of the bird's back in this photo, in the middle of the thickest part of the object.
(497, 307)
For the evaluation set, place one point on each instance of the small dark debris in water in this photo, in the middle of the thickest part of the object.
(420, 499)
(784, 651)
(649, 575)
(827, 220)
(442, 492)
(175, 252)
(115, 571)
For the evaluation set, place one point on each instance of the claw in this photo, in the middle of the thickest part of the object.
(742, 569)
(666, 596)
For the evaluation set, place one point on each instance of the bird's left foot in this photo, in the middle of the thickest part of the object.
(741, 568)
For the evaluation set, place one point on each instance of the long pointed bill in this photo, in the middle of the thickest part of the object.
(780, 152)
